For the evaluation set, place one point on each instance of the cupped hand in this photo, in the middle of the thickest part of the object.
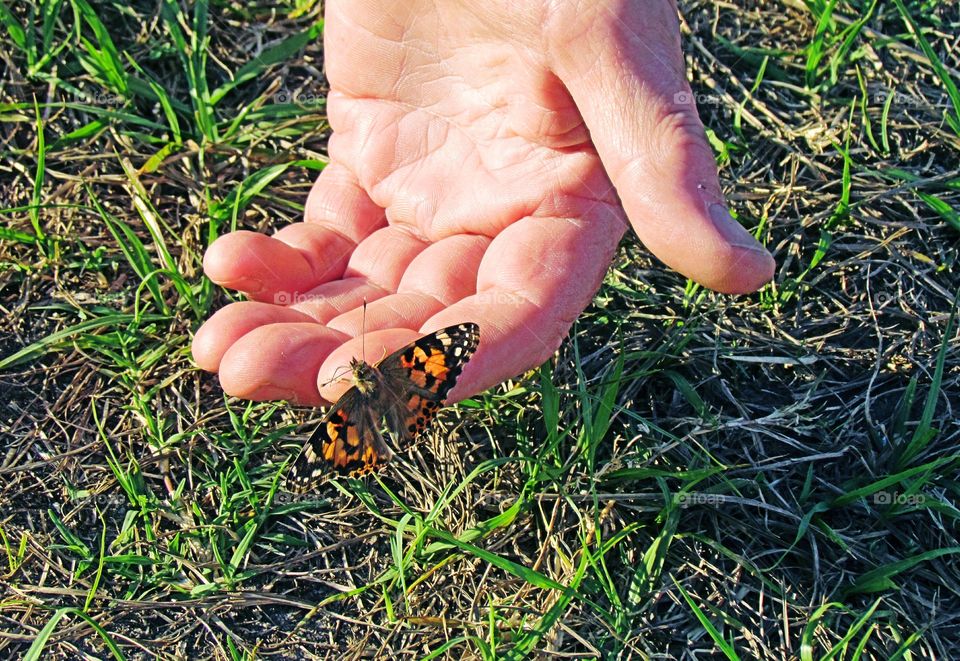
(485, 160)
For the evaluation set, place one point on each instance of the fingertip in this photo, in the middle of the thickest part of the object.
(257, 265)
(229, 324)
(203, 349)
(221, 263)
(279, 361)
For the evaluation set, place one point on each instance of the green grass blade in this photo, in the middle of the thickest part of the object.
(690, 394)
(842, 644)
(47, 51)
(944, 210)
(74, 543)
(248, 189)
(14, 29)
(849, 36)
(133, 249)
(881, 578)
(718, 639)
(923, 433)
(885, 123)
(98, 576)
(647, 575)
(11, 234)
(38, 177)
(36, 649)
(815, 51)
(531, 576)
(168, 105)
(151, 218)
(523, 646)
(43, 637)
(101, 59)
(890, 480)
(948, 83)
(269, 57)
(903, 652)
(49, 342)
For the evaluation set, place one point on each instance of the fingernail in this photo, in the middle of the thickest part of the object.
(731, 230)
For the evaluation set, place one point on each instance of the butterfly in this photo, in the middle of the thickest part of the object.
(406, 389)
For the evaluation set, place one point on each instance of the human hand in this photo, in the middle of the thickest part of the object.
(484, 163)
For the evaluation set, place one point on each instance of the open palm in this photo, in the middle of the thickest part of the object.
(484, 163)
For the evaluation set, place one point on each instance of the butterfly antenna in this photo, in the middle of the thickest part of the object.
(363, 332)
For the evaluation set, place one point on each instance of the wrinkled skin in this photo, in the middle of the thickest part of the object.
(486, 159)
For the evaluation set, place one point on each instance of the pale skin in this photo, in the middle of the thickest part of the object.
(486, 159)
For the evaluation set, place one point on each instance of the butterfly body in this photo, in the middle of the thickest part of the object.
(403, 392)
(366, 379)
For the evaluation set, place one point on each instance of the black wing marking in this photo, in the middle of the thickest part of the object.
(420, 376)
(346, 442)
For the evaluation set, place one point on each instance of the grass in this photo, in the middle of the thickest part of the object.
(771, 476)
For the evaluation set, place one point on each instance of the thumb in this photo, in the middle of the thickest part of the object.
(625, 72)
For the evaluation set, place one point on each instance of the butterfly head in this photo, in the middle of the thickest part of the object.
(364, 376)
